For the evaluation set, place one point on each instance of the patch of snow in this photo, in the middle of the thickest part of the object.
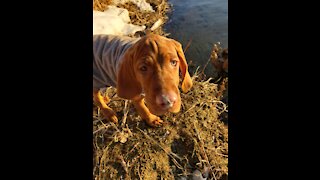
(115, 21)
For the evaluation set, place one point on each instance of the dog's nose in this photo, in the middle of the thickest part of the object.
(166, 101)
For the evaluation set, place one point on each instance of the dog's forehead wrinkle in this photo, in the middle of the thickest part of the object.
(152, 45)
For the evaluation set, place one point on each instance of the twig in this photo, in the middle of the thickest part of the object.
(193, 106)
(123, 163)
(96, 2)
(205, 66)
(133, 161)
(224, 109)
(114, 126)
(134, 147)
(139, 172)
(95, 121)
(187, 46)
(161, 4)
(215, 49)
(125, 113)
(103, 127)
(102, 160)
(202, 150)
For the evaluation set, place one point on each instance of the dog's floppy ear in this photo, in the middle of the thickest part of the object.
(186, 79)
(127, 83)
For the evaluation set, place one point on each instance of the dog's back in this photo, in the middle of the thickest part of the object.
(107, 55)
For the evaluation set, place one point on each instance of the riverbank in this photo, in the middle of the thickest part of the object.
(193, 141)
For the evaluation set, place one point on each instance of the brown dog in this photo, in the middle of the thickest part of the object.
(148, 65)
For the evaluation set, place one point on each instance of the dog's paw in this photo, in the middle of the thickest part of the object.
(154, 121)
(110, 115)
(114, 119)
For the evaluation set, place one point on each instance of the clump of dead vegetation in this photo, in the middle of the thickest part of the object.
(138, 17)
(195, 140)
(101, 5)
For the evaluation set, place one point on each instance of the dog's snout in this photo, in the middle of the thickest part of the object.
(166, 101)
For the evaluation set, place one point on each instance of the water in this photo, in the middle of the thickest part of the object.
(203, 21)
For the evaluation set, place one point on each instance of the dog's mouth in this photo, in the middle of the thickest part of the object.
(154, 109)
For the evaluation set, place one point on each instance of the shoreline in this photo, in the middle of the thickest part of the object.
(193, 141)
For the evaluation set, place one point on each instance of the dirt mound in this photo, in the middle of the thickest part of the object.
(193, 139)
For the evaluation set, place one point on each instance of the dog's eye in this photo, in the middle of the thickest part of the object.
(143, 68)
(173, 62)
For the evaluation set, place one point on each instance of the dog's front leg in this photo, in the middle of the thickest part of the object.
(151, 119)
(101, 101)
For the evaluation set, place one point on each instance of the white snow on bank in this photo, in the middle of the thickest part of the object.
(114, 21)
(142, 4)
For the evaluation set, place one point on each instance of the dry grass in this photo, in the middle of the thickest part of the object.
(194, 138)
(101, 5)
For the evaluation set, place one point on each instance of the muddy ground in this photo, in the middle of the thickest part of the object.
(192, 142)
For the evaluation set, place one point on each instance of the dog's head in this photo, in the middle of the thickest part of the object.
(151, 66)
